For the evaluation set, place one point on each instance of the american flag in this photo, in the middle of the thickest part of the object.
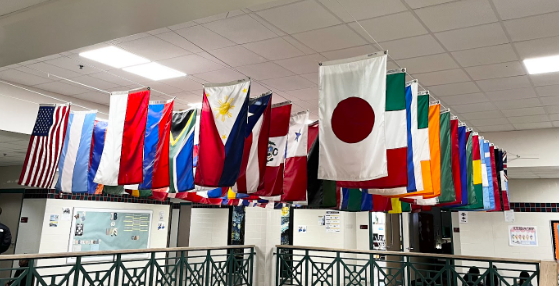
(45, 146)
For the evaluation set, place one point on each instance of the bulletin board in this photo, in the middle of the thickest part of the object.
(109, 229)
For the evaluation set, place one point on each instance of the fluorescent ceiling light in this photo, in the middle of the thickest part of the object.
(154, 71)
(195, 105)
(114, 57)
(542, 64)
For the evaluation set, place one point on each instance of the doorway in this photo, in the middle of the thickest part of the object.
(10, 202)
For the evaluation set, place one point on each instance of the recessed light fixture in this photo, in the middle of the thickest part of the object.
(114, 57)
(542, 64)
(154, 71)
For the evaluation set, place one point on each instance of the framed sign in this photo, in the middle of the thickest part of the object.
(523, 235)
(555, 237)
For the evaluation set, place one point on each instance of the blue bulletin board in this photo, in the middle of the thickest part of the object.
(109, 229)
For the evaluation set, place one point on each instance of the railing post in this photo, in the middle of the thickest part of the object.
(208, 265)
(407, 269)
(117, 269)
(277, 266)
(30, 272)
(448, 268)
(151, 266)
(252, 254)
(77, 269)
(182, 264)
(372, 265)
(490, 274)
(306, 267)
(338, 262)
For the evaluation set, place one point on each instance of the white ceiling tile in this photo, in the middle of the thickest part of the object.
(129, 38)
(110, 77)
(441, 77)
(153, 48)
(538, 48)
(555, 123)
(535, 125)
(490, 121)
(473, 37)
(422, 46)
(414, 4)
(331, 38)
(264, 71)
(73, 63)
(163, 87)
(191, 64)
(274, 49)
(496, 128)
(458, 14)
(219, 16)
(46, 68)
(550, 90)
(159, 31)
(504, 83)
(496, 70)
(241, 30)
(61, 88)
(183, 25)
(179, 41)
(300, 46)
(13, 6)
(313, 77)
(363, 9)
(523, 112)
(237, 56)
(349, 52)
(184, 83)
(384, 29)
(94, 96)
(475, 107)
(20, 77)
(552, 109)
(550, 100)
(510, 94)
(528, 119)
(270, 4)
(485, 55)
(308, 94)
(545, 79)
(509, 9)
(429, 63)
(534, 27)
(454, 89)
(204, 38)
(272, 28)
(299, 17)
(304, 64)
(223, 75)
(518, 103)
(479, 115)
(465, 98)
(288, 83)
(95, 82)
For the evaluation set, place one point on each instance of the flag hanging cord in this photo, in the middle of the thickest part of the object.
(45, 95)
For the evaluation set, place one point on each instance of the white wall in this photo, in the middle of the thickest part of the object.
(57, 239)
(9, 176)
(29, 234)
(209, 227)
(534, 190)
(362, 235)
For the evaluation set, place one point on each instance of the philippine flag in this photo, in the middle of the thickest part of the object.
(121, 162)
(223, 123)
(253, 165)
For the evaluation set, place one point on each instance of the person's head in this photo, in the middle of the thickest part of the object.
(473, 273)
(23, 262)
(0, 211)
(523, 277)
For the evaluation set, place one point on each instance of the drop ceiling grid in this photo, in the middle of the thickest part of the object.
(306, 46)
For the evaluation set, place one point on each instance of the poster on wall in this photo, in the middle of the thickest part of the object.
(555, 234)
(332, 221)
(523, 236)
(109, 229)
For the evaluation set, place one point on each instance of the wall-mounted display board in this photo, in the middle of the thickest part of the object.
(109, 229)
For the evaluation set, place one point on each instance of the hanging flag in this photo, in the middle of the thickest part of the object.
(435, 155)
(455, 164)
(352, 103)
(253, 166)
(121, 163)
(496, 190)
(97, 145)
(487, 157)
(381, 203)
(415, 179)
(295, 175)
(476, 173)
(396, 142)
(398, 207)
(484, 175)
(314, 185)
(74, 159)
(462, 139)
(181, 148)
(156, 145)
(279, 127)
(504, 182)
(354, 200)
(223, 124)
(45, 145)
(447, 183)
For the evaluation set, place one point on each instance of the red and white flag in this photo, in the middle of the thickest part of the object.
(279, 127)
(295, 175)
(45, 146)
(121, 161)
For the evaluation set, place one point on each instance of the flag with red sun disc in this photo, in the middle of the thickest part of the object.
(351, 111)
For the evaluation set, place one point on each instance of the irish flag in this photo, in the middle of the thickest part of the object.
(352, 104)
(121, 162)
